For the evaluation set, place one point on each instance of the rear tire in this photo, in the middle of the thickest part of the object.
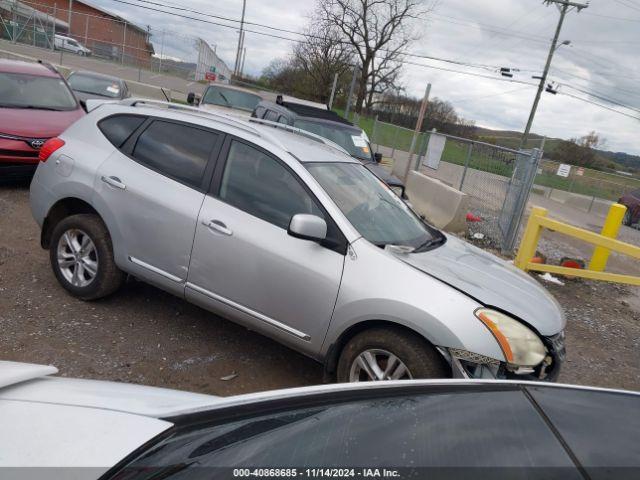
(81, 256)
(627, 217)
(391, 349)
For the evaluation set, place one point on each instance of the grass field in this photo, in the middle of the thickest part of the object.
(593, 182)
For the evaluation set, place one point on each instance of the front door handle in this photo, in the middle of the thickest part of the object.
(217, 226)
(114, 182)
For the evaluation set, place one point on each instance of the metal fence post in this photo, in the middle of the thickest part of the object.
(395, 141)
(511, 237)
(374, 131)
(14, 21)
(124, 41)
(53, 27)
(466, 165)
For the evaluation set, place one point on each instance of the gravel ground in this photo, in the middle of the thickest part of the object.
(144, 335)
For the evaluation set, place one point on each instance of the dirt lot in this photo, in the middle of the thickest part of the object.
(145, 336)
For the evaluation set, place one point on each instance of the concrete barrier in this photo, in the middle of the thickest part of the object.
(443, 206)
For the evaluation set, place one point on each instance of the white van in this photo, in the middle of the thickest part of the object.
(69, 44)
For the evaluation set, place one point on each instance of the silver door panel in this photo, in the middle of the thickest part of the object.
(155, 217)
(261, 268)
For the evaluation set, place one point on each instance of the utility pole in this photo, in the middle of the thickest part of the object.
(240, 39)
(333, 90)
(564, 6)
(244, 55)
(423, 110)
(351, 87)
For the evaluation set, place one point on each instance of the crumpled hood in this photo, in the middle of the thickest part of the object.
(26, 122)
(492, 281)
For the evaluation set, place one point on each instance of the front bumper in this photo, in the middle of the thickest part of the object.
(469, 365)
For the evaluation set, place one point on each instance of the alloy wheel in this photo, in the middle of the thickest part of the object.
(77, 258)
(377, 365)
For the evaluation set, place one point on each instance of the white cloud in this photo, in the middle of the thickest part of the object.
(602, 57)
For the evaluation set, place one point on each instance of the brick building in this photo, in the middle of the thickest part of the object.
(105, 33)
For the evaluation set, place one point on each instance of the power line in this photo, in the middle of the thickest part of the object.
(612, 17)
(462, 100)
(599, 105)
(408, 54)
(632, 6)
(603, 98)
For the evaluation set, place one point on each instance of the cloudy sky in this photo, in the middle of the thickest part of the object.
(602, 59)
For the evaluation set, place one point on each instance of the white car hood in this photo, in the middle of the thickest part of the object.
(492, 281)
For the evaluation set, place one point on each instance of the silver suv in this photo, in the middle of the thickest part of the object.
(287, 236)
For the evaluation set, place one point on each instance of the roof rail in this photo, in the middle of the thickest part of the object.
(242, 124)
(299, 131)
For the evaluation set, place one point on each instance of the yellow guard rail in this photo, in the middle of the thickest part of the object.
(605, 243)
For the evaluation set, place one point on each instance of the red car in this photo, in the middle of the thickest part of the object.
(631, 200)
(36, 104)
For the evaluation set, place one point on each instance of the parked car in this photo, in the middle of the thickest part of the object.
(36, 104)
(228, 99)
(416, 429)
(286, 236)
(60, 42)
(330, 125)
(88, 85)
(631, 200)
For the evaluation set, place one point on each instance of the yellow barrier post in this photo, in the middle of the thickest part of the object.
(530, 238)
(610, 229)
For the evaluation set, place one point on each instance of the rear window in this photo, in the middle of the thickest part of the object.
(19, 90)
(119, 128)
(601, 428)
(178, 151)
(104, 87)
(444, 433)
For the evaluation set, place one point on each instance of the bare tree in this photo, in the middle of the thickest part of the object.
(378, 31)
(321, 56)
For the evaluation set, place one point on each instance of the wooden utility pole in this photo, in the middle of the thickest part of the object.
(423, 110)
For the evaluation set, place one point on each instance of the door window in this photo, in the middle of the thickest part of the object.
(177, 151)
(261, 186)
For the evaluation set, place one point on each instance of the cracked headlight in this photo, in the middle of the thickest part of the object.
(520, 345)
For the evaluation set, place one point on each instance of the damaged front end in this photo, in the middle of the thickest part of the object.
(471, 365)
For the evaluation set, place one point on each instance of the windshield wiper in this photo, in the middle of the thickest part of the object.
(429, 243)
(226, 100)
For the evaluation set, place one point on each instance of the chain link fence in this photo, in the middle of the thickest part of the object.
(497, 179)
(594, 185)
(109, 43)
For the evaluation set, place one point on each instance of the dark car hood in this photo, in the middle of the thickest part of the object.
(25, 122)
(492, 281)
(384, 175)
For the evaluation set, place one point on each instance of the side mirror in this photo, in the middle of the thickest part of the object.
(307, 227)
(191, 98)
(377, 157)
(83, 104)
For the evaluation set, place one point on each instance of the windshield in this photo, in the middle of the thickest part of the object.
(353, 141)
(228, 97)
(19, 90)
(371, 207)
(97, 86)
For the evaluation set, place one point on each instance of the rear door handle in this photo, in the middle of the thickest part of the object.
(114, 182)
(217, 226)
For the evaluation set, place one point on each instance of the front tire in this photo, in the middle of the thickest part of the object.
(627, 218)
(388, 353)
(81, 256)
